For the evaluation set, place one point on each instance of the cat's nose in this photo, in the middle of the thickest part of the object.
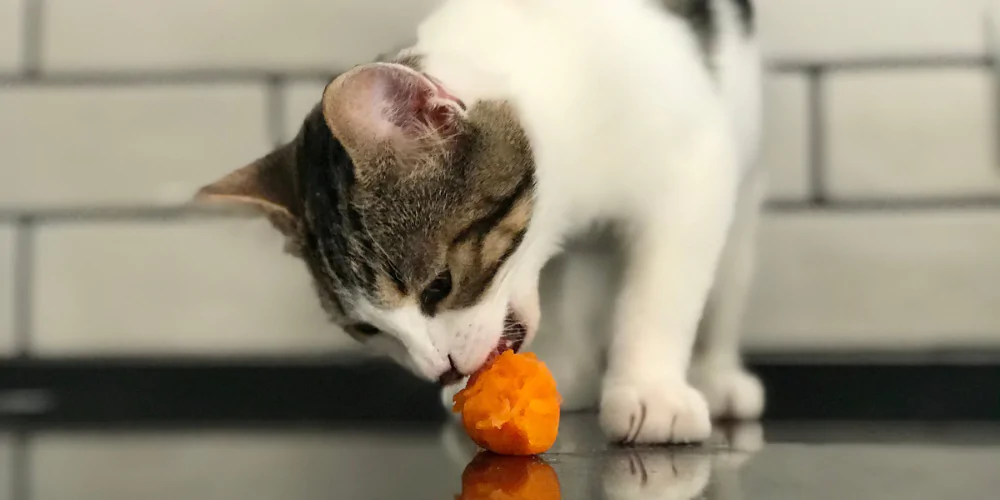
(452, 375)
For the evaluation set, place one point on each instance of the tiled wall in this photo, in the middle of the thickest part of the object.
(881, 140)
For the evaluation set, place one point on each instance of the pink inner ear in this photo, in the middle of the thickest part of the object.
(389, 99)
(443, 92)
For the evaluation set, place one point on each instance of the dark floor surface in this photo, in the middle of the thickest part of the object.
(798, 461)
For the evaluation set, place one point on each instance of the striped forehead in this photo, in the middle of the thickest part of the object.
(384, 236)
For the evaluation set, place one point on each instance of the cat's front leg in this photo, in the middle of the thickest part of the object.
(732, 392)
(673, 253)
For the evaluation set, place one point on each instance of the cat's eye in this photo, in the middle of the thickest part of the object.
(363, 330)
(438, 290)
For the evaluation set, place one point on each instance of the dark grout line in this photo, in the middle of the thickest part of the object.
(24, 284)
(898, 206)
(150, 213)
(33, 39)
(817, 121)
(32, 29)
(275, 110)
(181, 76)
(880, 63)
(154, 213)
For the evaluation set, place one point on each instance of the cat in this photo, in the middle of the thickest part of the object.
(427, 192)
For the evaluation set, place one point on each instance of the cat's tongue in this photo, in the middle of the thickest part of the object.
(514, 332)
(505, 345)
(502, 346)
(512, 339)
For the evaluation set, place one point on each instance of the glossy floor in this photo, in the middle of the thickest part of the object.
(853, 461)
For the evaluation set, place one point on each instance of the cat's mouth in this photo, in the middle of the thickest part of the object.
(514, 333)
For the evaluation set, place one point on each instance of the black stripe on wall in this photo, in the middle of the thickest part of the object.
(165, 390)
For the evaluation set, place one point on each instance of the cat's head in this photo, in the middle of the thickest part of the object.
(410, 210)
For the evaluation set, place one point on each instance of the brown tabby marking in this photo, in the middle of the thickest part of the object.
(380, 219)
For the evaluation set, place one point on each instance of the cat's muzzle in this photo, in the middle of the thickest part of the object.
(512, 338)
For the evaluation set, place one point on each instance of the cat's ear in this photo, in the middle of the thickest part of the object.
(381, 103)
(267, 185)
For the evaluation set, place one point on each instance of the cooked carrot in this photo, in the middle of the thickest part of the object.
(511, 406)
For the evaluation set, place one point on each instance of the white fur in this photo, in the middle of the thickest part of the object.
(628, 126)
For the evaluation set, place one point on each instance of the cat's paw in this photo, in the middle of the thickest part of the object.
(654, 412)
(732, 393)
(656, 474)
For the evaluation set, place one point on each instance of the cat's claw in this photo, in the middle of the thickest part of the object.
(654, 412)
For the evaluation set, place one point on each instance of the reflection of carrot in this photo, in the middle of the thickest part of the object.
(511, 406)
(499, 477)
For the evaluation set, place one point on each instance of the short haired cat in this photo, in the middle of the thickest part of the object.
(426, 193)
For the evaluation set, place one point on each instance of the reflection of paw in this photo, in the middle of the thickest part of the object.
(669, 411)
(742, 440)
(731, 393)
(657, 474)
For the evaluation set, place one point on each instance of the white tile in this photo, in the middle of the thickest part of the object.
(6, 289)
(10, 34)
(895, 281)
(912, 133)
(162, 34)
(300, 98)
(191, 287)
(785, 141)
(840, 29)
(237, 466)
(67, 145)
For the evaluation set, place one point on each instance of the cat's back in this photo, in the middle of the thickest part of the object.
(600, 82)
(512, 38)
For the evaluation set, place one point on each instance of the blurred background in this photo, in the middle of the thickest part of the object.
(881, 140)
(878, 284)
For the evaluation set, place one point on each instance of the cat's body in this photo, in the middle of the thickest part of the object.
(510, 129)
